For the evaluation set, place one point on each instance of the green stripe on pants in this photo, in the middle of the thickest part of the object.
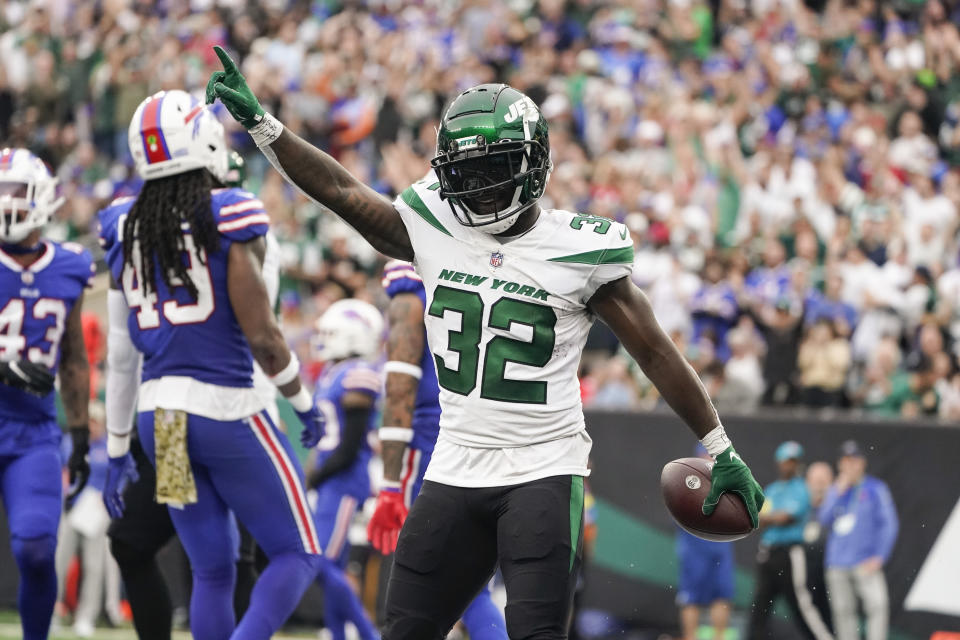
(576, 515)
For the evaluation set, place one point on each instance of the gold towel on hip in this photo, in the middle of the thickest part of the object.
(175, 484)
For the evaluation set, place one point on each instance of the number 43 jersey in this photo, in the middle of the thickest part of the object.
(506, 322)
(35, 302)
(196, 357)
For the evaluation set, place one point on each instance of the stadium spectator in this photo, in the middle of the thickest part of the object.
(742, 371)
(781, 327)
(823, 360)
(714, 308)
(863, 524)
(743, 134)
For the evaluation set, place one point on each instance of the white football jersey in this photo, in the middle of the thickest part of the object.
(507, 321)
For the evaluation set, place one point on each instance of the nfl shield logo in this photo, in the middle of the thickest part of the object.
(496, 259)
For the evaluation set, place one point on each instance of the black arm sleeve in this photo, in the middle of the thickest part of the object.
(354, 431)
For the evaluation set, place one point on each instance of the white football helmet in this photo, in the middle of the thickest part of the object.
(349, 328)
(28, 194)
(172, 132)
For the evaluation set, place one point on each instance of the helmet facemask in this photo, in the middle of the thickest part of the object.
(490, 185)
(25, 205)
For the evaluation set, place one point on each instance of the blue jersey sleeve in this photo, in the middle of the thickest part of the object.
(240, 215)
(400, 277)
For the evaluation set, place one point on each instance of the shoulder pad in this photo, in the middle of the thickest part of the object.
(362, 377)
(109, 217)
(400, 277)
(240, 215)
(598, 241)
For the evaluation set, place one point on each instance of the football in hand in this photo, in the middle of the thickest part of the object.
(685, 483)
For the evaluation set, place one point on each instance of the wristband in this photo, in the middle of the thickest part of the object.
(391, 486)
(267, 131)
(716, 441)
(117, 445)
(289, 373)
(398, 366)
(301, 400)
(395, 434)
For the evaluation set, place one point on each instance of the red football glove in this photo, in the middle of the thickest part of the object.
(388, 516)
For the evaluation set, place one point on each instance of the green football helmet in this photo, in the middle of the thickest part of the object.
(493, 156)
(236, 170)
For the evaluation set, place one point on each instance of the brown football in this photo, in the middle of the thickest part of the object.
(685, 483)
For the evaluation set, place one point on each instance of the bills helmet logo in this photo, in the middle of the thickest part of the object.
(496, 259)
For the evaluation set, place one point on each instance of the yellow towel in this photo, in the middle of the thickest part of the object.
(175, 484)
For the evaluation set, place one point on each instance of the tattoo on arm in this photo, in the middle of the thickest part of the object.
(329, 183)
(392, 453)
(75, 370)
(405, 344)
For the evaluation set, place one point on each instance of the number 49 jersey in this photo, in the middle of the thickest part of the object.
(178, 336)
(34, 304)
(507, 322)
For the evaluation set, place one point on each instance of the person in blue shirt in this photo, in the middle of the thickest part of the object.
(706, 571)
(714, 307)
(348, 340)
(781, 562)
(831, 306)
(863, 525)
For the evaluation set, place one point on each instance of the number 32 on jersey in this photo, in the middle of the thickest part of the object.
(500, 350)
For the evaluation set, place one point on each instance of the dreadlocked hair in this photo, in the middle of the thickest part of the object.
(163, 212)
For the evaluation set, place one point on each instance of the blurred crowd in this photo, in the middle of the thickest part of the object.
(790, 171)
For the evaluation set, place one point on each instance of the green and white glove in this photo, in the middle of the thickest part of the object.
(730, 473)
(230, 86)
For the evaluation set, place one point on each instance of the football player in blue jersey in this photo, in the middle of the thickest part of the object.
(411, 419)
(145, 527)
(348, 340)
(41, 295)
(192, 313)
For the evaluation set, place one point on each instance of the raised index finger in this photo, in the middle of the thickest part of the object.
(228, 64)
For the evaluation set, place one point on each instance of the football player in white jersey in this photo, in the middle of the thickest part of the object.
(511, 293)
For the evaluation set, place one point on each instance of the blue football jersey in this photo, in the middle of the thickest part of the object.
(34, 305)
(177, 335)
(400, 277)
(335, 382)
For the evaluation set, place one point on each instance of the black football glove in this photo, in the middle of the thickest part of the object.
(28, 376)
(77, 465)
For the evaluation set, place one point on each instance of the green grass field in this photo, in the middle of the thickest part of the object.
(10, 630)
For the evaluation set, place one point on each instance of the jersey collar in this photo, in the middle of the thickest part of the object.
(42, 262)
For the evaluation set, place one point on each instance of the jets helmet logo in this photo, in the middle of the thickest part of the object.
(524, 107)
